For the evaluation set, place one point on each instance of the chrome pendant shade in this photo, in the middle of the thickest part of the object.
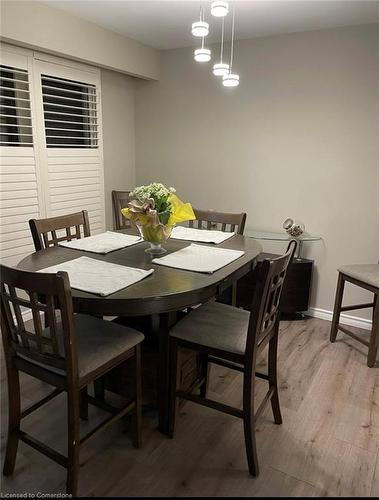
(220, 69)
(200, 28)
(219, 8)
(202, 55)
(231, 80)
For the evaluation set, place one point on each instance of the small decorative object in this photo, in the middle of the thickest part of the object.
(293, 228)
(155, 209)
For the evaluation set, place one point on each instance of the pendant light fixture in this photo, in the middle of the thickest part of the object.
(221, 69)
(202, 54)
(219, 8)
(200, 28)
(231, 79)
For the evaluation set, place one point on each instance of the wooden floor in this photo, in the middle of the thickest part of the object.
(328, 444)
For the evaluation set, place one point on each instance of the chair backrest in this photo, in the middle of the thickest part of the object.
(227, 222)
(120, 200)
(39, 293)
(71, 226)
(265, 315)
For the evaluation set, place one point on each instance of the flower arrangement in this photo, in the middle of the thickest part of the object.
(155, 209)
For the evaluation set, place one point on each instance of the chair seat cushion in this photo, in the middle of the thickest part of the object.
(215, 325)
(98, 342)
(368, 273)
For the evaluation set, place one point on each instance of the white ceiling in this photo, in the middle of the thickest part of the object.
(165, 24)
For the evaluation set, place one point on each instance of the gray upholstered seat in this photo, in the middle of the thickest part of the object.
(98, 342)
(215, 325)
(368, 273)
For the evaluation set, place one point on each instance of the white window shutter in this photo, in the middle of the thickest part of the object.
(70, 111)
(50, 145)
(20, 190)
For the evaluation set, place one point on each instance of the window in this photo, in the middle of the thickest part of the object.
(15, 112)
(70, 113)
(51, 160)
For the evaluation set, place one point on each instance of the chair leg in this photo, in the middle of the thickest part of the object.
(14, 418)
(136, 416)
(205, 374)
(273, 378)
(249, 424)
(174, 384)
(337, 307)
(374, 338)
(99, 389)
(83, 404)
(73, 413)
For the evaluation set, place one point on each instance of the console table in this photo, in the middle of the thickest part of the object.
(296, 292)
(282, 236)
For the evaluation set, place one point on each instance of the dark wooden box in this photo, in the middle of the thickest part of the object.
(296, 292)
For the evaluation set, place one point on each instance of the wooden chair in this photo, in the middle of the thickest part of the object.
(120, 200)
(233, 338)
(68, 355)
(210, 219)
(40, 229)
(365, 276)
(227, 222)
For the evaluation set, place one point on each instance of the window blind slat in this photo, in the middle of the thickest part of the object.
(61, 106)
(47, 78)
(65, 98)
(81, 92)
(13, 132)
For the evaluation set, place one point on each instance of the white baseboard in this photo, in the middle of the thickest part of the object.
(345, 319)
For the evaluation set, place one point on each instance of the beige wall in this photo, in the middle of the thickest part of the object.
(117, 92)
(298, 137)
(37, 26)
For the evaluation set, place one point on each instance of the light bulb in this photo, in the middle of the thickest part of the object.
(231, 80)
(220, 69)
(200, 29)
(202, 55)
(219, 8)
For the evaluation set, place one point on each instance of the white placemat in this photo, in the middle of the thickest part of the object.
(102, 243)
(99, 277)
(200, 258)
(203, 235)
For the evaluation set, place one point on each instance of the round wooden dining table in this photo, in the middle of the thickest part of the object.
(162, 293)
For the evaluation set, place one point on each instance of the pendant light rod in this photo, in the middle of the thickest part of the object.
(222, 39)
(202, 19)
(232, 44)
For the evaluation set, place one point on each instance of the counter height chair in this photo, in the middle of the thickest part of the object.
(73, 226)
(68, 355)
(226, 222)
(233, 338)
(50, 231)
(365, 276)
(120, 200)
(210, 219)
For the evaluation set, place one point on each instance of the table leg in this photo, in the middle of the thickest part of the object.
(166, 321)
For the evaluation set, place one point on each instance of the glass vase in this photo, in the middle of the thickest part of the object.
(155, 235)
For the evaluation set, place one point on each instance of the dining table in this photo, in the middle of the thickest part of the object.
(162, 294)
